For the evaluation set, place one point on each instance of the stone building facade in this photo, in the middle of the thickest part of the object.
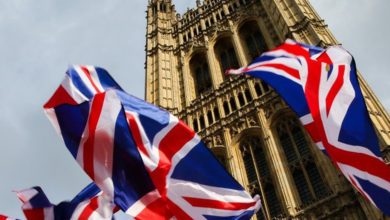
(247, 126)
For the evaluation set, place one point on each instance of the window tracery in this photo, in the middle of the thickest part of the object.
(259, 174)
(308, 181)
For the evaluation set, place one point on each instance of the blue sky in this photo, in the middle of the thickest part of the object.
(39, 39)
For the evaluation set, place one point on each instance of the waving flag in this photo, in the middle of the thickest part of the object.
(90, 203)
(3, 217)
(148, 161)
(321, 86)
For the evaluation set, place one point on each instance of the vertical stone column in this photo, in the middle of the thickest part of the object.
(281, 170)
(242, 58)
(186, 71)
(251, 87)
(212, 64)
(232, 158)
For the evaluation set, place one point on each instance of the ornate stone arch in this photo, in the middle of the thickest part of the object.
(225, 54)
(282, 111)
(199, 75)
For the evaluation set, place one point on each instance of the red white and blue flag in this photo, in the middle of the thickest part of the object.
(321, 86)
(3, 217)
(149, 162)
(90, 203)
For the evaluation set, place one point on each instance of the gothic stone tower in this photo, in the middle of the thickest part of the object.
(243, 121)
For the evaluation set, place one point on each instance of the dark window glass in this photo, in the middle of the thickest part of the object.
(224, 61)
(216, 114)
(316, 180)
(300, 141)
(248, 95)
(232, 58)
(241, 99)
(203, 80)
(228, 59)
(226, 108)
(233, 104)
(201, 120)
(254, 40)
(260, 161)
(272, 200)
(249, 168)
(210, 117)
(265, 86)
(195, 125)
(249, 145)
(307, 178)
(250, 43)
(288, 147)
(260, 42)
(302, 187)
(259, 92)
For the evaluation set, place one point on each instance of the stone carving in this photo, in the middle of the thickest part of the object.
(208, 141)
(233, 131)
(218, 140)
(252, 121)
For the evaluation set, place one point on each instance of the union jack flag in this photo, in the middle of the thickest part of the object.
(149, 162)
(3, 217)
(90, 203)
(321, 86)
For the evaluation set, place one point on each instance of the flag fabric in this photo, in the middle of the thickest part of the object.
(149, 162)
(90, 203)
(321, 86)
(3, 217)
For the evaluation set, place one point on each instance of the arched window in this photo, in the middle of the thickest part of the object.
(241, 99)
(308, 181)
(233, 104)
(230, 9)
(216, 114)
(226, 108)
(248, 95)
(259, 175)
(265, 86)
(202, 124)
(254, 40)
(164, 8)
(210, 117)
(226, 54)
(195, 125)
(200, 69)
(154, 9)
(259, 92)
